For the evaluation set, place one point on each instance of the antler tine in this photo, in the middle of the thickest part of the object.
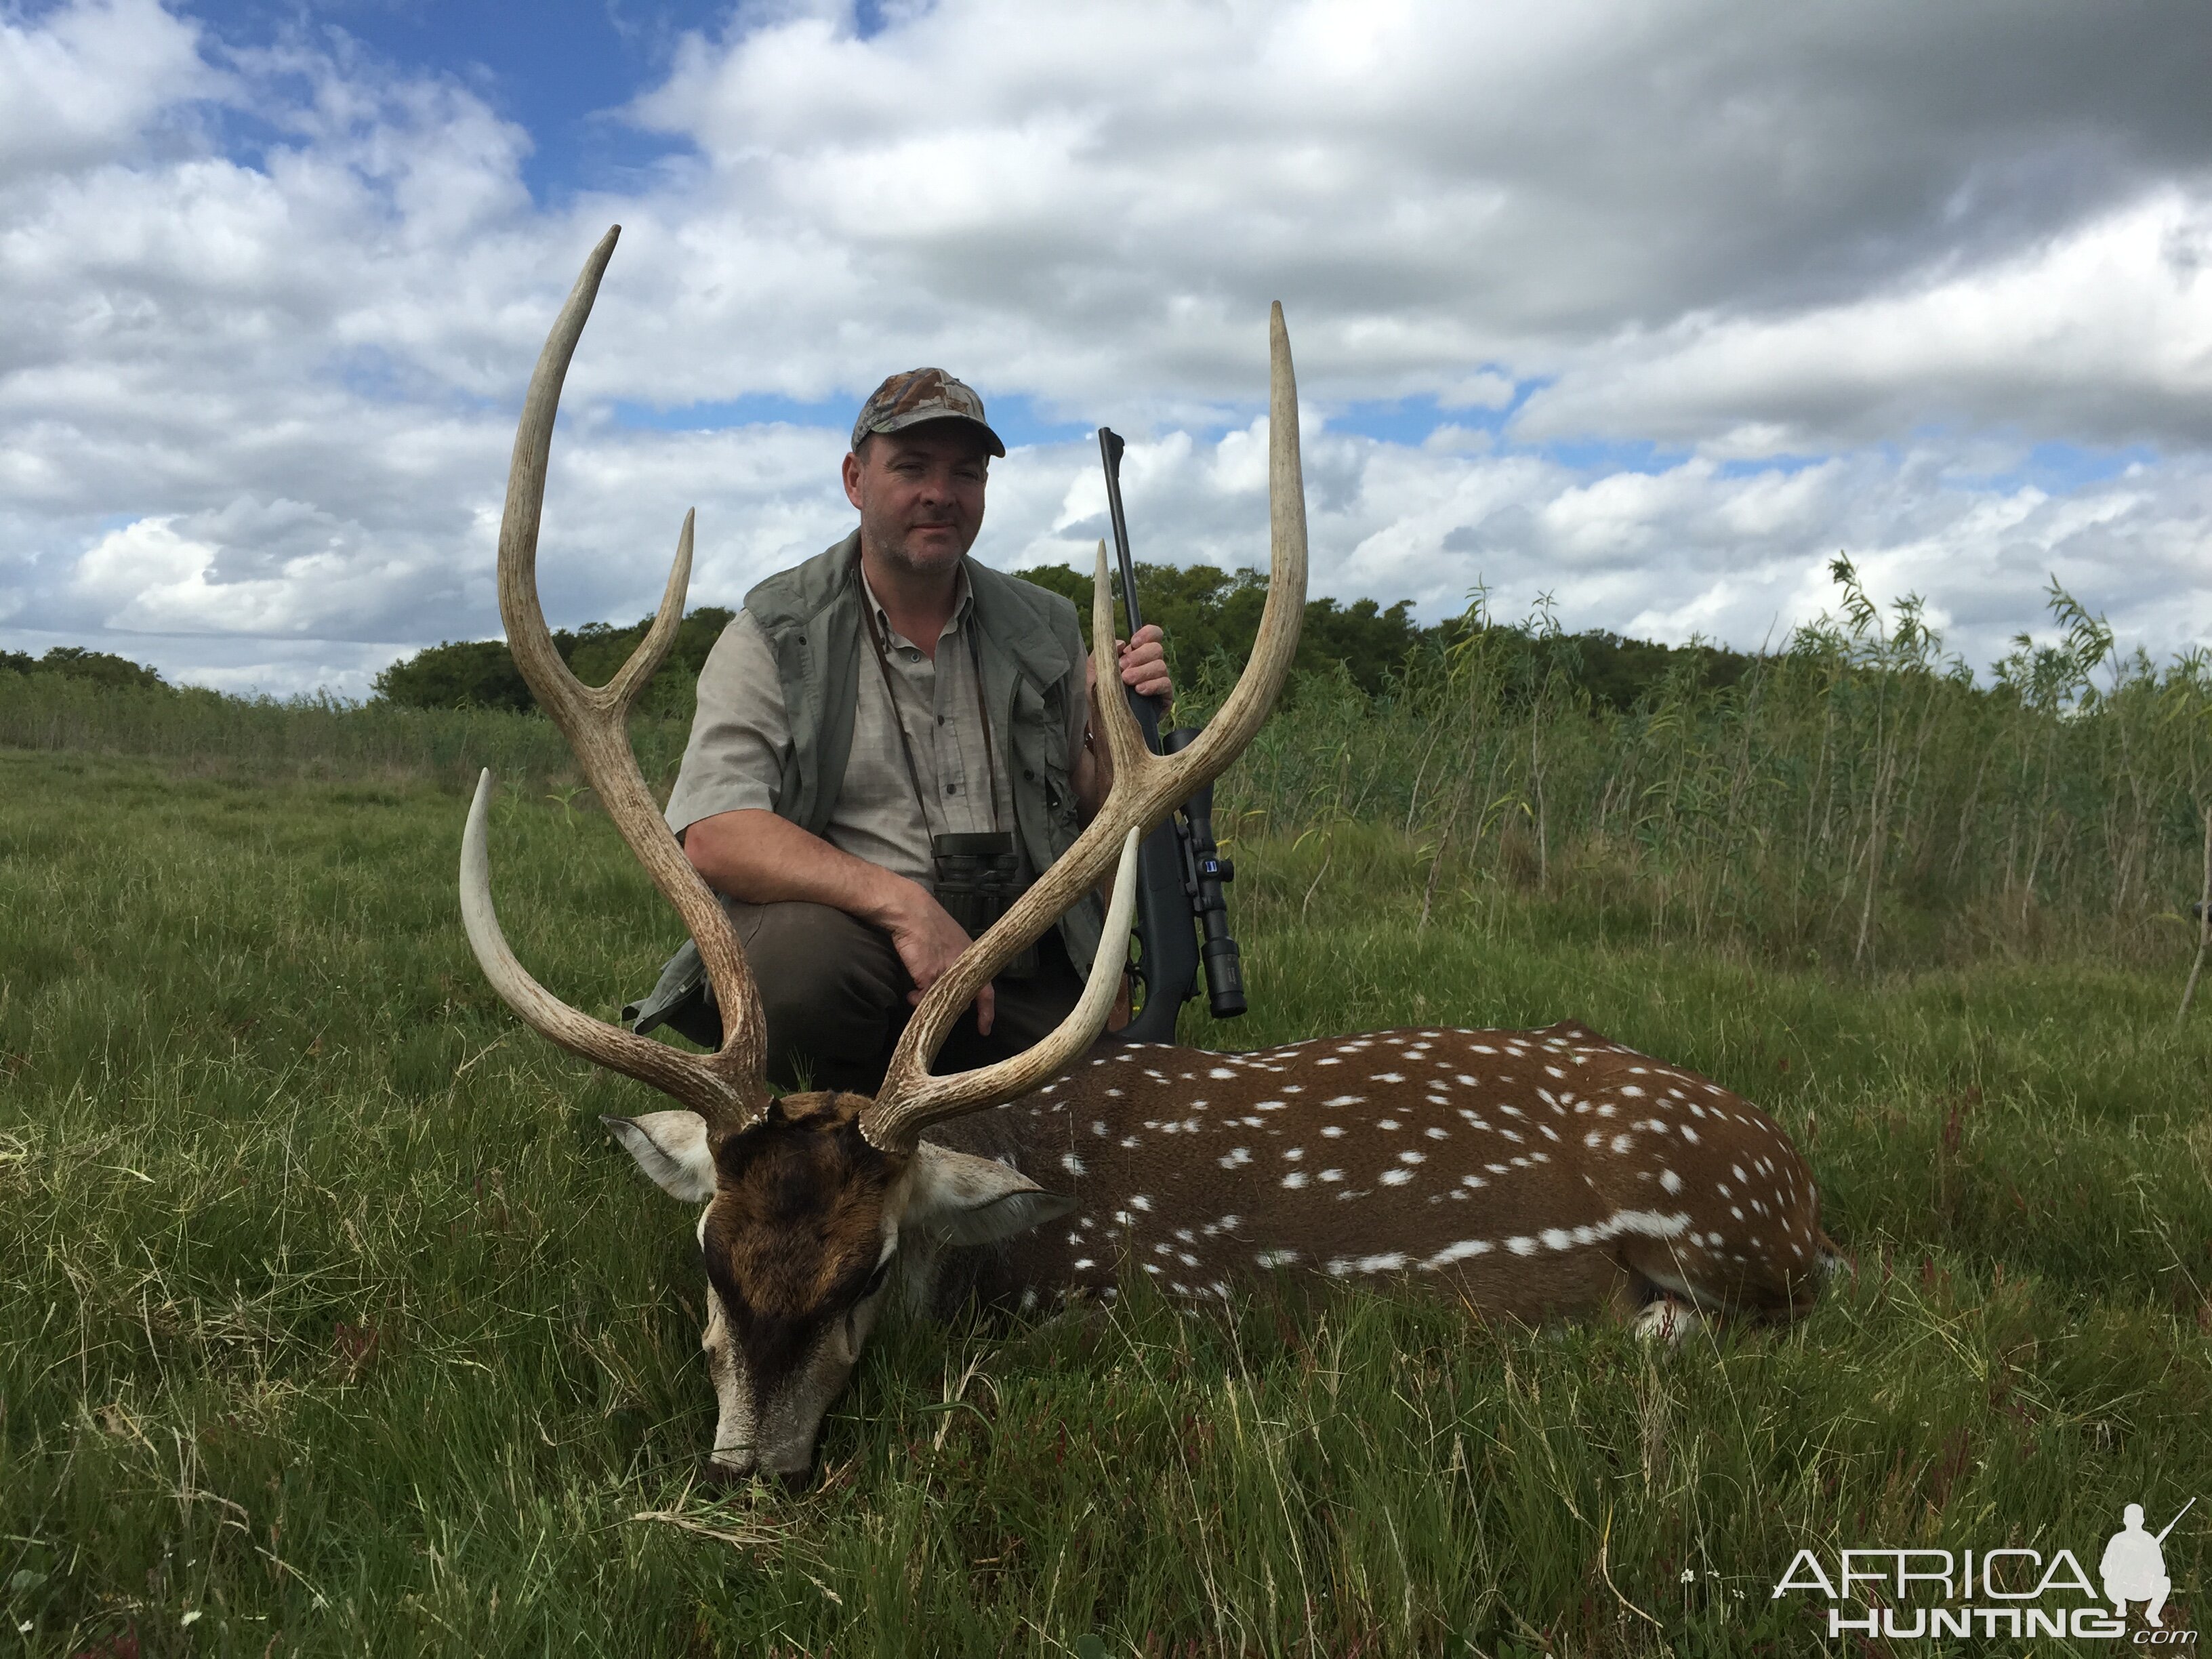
(669, 1070)
(729, 1089)
(1254, 695)
(924, 1100)
(1146, 788)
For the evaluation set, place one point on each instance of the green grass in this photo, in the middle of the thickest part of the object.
(328, 1314)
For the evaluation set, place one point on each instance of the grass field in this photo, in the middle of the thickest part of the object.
(330, 1322)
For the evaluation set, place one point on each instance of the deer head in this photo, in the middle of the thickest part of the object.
(808, 1197)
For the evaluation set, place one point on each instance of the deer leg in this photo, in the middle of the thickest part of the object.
(1668, 1318)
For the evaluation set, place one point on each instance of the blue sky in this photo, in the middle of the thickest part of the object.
(557, 68)
(1650, 310)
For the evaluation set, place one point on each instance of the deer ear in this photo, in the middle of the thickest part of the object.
(964, 1199)
(671, 1147)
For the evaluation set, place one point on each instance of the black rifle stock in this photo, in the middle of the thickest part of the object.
(1180, 871)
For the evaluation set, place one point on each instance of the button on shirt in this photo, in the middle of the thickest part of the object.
(741, 742)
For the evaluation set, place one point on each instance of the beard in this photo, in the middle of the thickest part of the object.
(902, 549)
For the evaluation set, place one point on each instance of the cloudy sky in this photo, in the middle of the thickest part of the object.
(1650, 308)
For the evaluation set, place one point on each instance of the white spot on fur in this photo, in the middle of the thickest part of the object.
(1466, 1248)
(1389, 1263)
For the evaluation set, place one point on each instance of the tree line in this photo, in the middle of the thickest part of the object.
(481, 674)
(1205, 614)
(75, 662)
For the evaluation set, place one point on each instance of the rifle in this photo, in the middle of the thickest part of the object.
(2176, 1522)
(1180, 869)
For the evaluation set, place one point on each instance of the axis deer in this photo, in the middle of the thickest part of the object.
(1534, 1172)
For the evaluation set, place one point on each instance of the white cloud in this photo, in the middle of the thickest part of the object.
(2103, 333)
(89, 80)
(1768, 283)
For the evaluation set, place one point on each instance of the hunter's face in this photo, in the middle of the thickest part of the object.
(919, 493)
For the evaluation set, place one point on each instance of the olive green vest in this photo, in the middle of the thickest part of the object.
(1032, 654)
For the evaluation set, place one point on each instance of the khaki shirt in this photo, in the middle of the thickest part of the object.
(741, 742)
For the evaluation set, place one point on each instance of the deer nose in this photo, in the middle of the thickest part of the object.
(720, 1474)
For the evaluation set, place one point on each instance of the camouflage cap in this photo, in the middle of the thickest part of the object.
(918, 395)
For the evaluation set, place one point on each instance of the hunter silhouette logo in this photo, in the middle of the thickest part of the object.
(2008, 1591)
(2134, 1567)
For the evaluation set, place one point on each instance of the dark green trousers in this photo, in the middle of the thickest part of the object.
(834, 994)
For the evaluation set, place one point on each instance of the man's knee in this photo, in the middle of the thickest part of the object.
(815, 964)
(828, 981)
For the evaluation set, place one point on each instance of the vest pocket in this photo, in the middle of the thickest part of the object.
(1040, 733)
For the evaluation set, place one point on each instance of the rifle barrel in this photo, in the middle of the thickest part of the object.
(2176, 1522)
(1110, 451)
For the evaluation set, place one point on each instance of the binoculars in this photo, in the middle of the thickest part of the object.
(976, 876)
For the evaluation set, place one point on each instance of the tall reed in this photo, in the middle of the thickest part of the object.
(322, 736)
(1859, 797)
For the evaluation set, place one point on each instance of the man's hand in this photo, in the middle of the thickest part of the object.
(754, 856)
(928, 942)
(1144, 662)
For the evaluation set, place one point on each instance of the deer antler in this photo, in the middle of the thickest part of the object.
(1146, 788)
(729, 1089)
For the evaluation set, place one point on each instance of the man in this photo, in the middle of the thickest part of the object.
(885, 694)
(2134, 1567)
